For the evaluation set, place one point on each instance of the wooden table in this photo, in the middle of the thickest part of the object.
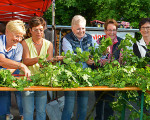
(95, 88)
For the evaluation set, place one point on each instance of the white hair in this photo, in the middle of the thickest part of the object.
(78, 19)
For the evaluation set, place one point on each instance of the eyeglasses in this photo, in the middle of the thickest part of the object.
(18, 37)
(112, 30)
(36, 30)
(145, 28)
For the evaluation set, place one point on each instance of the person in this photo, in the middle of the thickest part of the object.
(103, 109)
(10, 56)
(74, 39)
(34, 48)
(47, 32)
(140, 47)
(19, 103)
(48, 36)
(2, 28)
(17, 93)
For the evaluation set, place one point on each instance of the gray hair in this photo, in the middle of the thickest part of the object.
(78, 19)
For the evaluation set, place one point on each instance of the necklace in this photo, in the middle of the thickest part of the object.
(36, 43)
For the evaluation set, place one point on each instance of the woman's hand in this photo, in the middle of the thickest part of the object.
(90, 62)
(25, 69)
(57, 58)
(104, 61)
(148, 65)
(108, 50)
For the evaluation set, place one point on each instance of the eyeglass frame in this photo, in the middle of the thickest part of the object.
(112, 30)
(36, 30)
(18, 37)
(147, 28)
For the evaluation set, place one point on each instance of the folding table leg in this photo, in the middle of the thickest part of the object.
(124, 107)
(142, 103)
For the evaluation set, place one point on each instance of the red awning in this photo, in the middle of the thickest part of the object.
(22, 9)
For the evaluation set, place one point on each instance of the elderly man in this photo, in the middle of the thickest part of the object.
(77, 38)
(10, 56)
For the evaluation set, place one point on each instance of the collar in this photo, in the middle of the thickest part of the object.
(13, 47)
(115, 40)
(142, 42)
(81, 38)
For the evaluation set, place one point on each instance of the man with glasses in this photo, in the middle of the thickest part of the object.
(10, 56)
(103, 108)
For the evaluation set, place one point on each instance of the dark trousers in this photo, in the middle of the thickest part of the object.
(2, 117)
(103, 108)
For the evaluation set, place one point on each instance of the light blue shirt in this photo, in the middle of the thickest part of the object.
(15, 53)
(67, 46)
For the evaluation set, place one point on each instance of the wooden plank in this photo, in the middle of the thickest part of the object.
(95, 88)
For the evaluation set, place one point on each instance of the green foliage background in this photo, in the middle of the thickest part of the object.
(127, 10)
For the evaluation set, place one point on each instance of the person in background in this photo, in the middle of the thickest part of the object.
(10, 56)
(48, 36)
(77, 38)
(140, 47)
(2, 28)
(103, 108)
(47, 32)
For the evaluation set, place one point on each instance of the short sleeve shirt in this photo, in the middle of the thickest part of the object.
(15, 53)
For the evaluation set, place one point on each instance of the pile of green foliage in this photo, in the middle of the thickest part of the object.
(131, 71)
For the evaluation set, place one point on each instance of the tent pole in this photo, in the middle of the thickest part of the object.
(53, 27)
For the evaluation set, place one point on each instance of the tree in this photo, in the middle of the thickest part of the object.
(66, 9)
(127, 10)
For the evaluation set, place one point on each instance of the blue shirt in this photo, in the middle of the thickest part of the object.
(15, 53)
(67, 46)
